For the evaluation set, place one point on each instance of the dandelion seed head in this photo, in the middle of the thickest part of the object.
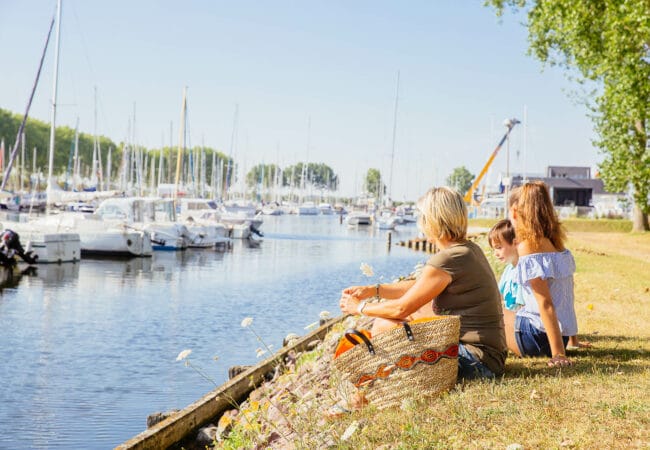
(246, 322)
(184, 354)
(324, 315)
(366, 269)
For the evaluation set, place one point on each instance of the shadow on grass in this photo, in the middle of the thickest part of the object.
(608, 354)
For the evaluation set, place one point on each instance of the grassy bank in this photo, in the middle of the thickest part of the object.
(575, 225)
(600, 402)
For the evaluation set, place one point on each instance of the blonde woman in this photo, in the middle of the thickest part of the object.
(457, 280)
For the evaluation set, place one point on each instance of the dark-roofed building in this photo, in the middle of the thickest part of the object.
(569, 186)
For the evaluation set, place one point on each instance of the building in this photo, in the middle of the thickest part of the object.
(569, 186)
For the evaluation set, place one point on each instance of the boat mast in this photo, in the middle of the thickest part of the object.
(55, 86)
(392, 153)
(181, 143)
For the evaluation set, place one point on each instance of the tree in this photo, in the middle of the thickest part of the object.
(606, 42)
(318, 175)
(460, 179)
(374, 184)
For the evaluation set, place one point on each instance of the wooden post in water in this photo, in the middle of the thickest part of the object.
(388, 239)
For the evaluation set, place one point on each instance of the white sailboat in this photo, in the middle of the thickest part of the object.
(49, 245)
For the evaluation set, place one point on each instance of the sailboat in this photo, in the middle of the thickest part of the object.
(49, 245)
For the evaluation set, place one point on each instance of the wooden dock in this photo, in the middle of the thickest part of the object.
(419, 244)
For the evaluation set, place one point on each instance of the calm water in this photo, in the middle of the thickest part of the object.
(89, 349)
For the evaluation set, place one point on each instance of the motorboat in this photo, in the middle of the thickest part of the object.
(157, 216)
(326, 209)
(101, 238)
(386, 222)
(48, 243)
(272, 209)
(308, 209)
(359, 218)
(204, 231)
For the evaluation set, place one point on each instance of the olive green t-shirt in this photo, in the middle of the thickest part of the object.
(473, 294)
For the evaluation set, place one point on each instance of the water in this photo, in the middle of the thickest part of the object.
(89, 349)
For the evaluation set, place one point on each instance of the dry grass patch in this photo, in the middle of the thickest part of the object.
(602, 402)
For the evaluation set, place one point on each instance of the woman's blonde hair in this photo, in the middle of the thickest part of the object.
(536, 216)
(443, 214)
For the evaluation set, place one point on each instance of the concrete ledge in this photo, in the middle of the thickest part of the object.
(192, 417)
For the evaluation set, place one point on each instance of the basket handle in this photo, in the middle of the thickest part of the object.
(408, 331)
(351, 334)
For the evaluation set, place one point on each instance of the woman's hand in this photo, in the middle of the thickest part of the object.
(349, 304)
(360, 292)
(559, 361)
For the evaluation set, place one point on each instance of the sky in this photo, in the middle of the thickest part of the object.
(311, 81)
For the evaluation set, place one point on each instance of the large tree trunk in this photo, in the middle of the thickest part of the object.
(639, 220)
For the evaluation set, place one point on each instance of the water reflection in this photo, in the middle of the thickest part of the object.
(10, 276)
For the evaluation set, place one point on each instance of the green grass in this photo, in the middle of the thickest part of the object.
(600, 402)
(575, 225)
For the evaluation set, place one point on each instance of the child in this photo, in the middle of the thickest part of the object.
(502, 240)
(545, 275)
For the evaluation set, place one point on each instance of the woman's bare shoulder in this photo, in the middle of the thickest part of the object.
(528, 247)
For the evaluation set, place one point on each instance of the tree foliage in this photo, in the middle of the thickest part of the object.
(374, 184)
(37, 135)
(460, 179)
(316, 175)
(606, 42)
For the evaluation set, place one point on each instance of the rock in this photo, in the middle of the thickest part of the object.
(207, 435)
(290, 359)
(268, 441)
(290, 339)
(157, 417)
(236, 370)
(313, 344)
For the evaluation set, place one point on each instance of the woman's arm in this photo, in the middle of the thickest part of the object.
(549, 319)
(430, 284)
(386, 290)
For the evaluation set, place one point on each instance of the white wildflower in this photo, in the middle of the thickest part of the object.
(184, 354)
(366, 269)
(324, 315)
(260, 352)
(246, 322)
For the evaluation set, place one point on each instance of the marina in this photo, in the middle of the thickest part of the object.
(90, 347)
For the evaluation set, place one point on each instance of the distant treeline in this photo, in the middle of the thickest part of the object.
(196, 162)
(37, 136)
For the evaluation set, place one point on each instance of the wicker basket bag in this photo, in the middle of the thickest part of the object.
(417, 359)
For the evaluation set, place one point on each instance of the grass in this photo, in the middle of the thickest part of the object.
(574, 225)
(600, 402)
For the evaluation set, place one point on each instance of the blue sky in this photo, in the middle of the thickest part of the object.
(285, 64)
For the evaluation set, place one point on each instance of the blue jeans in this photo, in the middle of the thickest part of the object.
(469, 367)
(532, 341)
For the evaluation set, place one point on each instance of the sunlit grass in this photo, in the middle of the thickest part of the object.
(600, 402)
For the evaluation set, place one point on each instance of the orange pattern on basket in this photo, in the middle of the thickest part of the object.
(406, 362)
